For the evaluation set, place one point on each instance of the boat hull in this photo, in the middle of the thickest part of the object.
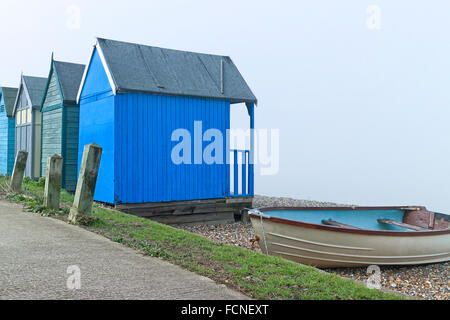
(334, 247)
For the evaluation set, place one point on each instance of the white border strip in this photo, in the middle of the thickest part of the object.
(105, 66)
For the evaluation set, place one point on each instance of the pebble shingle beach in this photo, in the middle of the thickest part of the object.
(425, 281)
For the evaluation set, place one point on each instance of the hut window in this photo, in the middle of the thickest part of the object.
(17, 118)
(23, 120)
(20, 116)
(29, 115)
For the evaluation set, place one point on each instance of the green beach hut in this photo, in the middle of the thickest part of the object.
(60, 119)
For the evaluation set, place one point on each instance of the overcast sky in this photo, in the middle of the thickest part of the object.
(363, 112)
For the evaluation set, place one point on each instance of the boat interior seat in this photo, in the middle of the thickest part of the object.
(426, 219)
(338, 224)
(401, 224)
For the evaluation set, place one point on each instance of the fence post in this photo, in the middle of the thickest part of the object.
(84, 194)
(53, 182)
(19, 171)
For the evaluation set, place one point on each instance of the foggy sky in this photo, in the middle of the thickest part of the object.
(363, 114)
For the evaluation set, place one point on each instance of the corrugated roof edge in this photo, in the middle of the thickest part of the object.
(23, 83)
(53, 67)
(116, 89)
(9, 96)
(40, 81)
(126, 90)
(68, 90)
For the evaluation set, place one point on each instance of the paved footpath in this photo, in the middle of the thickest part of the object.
(36, 252)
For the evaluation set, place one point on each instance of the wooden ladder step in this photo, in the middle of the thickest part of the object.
(401, 224)
(338, 224)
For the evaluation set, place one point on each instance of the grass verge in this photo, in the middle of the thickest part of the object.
(255, 274)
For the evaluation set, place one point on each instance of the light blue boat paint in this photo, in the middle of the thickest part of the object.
(363, 219)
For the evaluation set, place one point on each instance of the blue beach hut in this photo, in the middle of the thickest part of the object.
(134, 100)
(7, 129)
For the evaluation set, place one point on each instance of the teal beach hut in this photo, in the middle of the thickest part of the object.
(60, 119)
(7, 129)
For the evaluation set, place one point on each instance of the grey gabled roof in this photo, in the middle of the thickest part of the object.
(69, 75)
(9, 96)
(35, 87)
(141, 68)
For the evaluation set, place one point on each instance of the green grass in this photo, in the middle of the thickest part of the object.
(255, 274)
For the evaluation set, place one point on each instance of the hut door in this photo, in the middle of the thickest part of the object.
(24, 138)
(240, 174)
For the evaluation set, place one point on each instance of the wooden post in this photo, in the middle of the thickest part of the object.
(19, 171)
(244, 216)
(84, 194)
(53, 182)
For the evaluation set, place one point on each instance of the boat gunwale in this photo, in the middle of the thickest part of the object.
(347, 230)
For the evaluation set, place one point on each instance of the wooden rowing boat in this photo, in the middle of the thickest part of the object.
(353, 236)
